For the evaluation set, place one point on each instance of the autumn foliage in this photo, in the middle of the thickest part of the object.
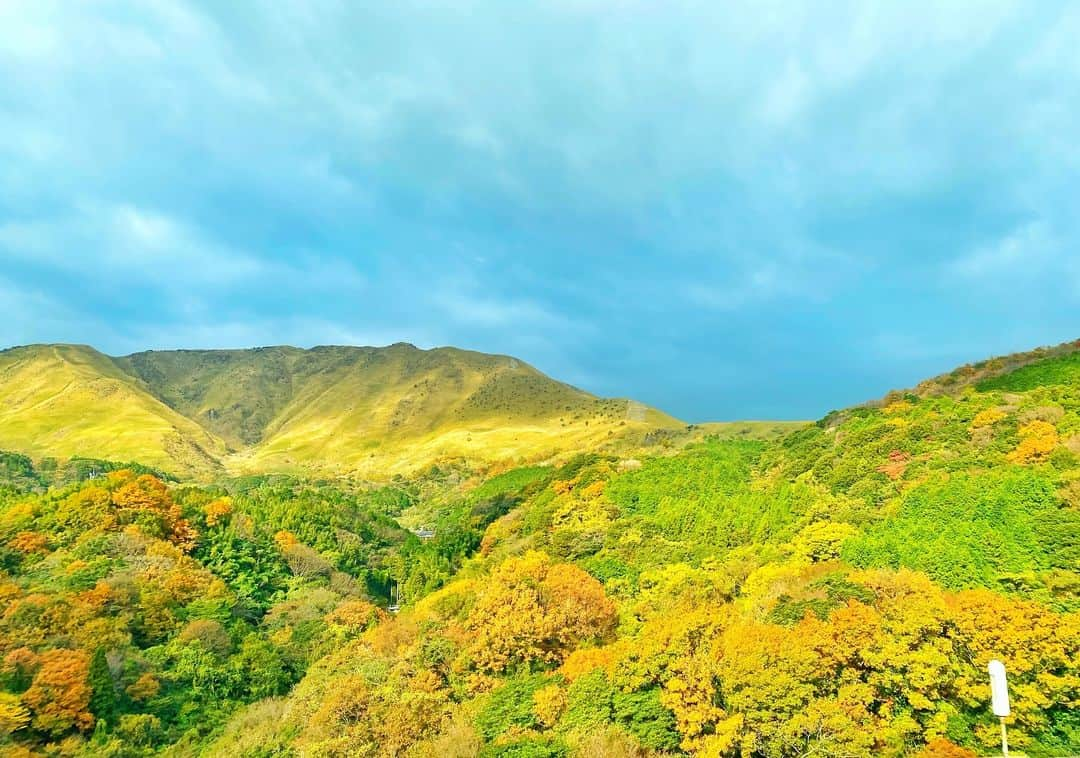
(132, 612)
(146, 500)
(59, 696)
(532, 611)
(1037, 440)
(836, 592)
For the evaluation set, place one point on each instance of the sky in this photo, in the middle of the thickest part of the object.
(726, 210)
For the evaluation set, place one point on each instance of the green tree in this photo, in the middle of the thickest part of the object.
(103, 698)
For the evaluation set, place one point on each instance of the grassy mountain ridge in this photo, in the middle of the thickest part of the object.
(65, 400)
(234, 393)
(332, 408)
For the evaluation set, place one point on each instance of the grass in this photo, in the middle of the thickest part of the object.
(1064, 369)
(751, 430)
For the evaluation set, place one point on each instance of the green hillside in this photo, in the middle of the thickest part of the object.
(984, 373)
(233, 393)
(395, 409)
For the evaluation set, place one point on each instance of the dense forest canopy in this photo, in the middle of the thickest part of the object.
(838, 590)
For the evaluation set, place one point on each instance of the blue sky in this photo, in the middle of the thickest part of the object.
(727, 210)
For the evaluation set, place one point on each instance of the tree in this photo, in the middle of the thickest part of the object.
(260, 669)
(140, 729)
(210, 634)
(29, 543)
(304, 561)
(987, 417)
(354, 616)
(1037, 440)
(145, 688)
(821, 541)
(533, 611)
(103, 700)
(218, 511)
(13, 714)
(146, 500)
(941, 747)
(20, 666)
(59, 696)
(548, 704)
(1040, 649)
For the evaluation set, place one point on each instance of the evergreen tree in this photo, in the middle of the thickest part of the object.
(103, 701)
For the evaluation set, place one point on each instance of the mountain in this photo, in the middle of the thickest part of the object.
(334, 409)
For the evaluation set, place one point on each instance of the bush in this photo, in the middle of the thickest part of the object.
(588, 702)
(142, 729)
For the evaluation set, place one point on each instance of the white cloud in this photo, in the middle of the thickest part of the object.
(1025, 250)
(760, 285)
(158, 252)
(128, 241)
(161, 246)
(786, 97)
(474, 309)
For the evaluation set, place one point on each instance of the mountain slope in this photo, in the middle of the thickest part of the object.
(839, 591)
(983, 374)
(334, 409)
(365, 409)
(234, 393)
(65, 400)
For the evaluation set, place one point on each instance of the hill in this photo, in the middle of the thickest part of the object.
(983, 374)
(70, 400)
(359, 410)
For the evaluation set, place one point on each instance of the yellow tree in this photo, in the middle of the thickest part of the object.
(148, 494)
(13, 714)
(533, 611)
(1040, 650)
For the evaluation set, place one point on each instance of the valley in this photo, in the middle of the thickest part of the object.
(199, 551)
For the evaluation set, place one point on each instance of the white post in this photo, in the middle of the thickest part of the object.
(999, 699)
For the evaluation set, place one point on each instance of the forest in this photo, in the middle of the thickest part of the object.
(838, 590)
